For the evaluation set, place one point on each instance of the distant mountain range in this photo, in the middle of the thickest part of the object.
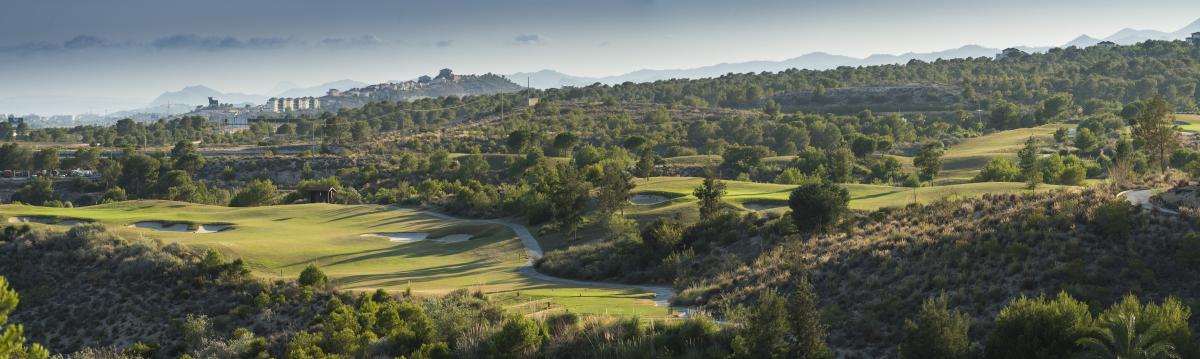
(199, 94)
(813, 61)
(823, 61)
(191, 96)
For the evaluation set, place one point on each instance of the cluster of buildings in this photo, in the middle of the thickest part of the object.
(287, 104)
(443, 76)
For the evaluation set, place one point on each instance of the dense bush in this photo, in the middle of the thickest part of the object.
(937, 332)
(816, 206)
(1038, 328)
(999, 169)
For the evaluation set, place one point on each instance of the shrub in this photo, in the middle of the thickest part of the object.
(518, 337)
(936, 333)
(1189, 250)
(114, 194)
(257, 193)
(37, 193)
(313, 277)
(1038, 328)
(791, 176)
(662, 236)
(1000, 169)
(816, 206)
(1112, 218)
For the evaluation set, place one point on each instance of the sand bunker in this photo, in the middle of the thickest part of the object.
(46, 220)
(647, 199)
(416, 237)
(454, 238)
(399, 236)
(182, 227)
(761, 206)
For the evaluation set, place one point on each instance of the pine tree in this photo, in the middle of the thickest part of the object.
(808, 333)
(1028, 162)
(710, 194)
(1154, 130)
(12, 338)
(614, 185)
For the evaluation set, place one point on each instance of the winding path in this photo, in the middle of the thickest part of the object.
(662, 294)
(1141, 198)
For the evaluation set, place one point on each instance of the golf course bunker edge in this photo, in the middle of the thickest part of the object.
(647, 199)
(182, 227)
(762, 206)
(406, 237)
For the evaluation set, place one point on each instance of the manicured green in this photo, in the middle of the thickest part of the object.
(283, 240)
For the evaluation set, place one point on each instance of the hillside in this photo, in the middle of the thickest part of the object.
(89, 287)
(445, 84)
(981, 253)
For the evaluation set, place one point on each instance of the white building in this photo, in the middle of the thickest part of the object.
(279, 105)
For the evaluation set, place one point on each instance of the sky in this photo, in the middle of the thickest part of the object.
(126, 52)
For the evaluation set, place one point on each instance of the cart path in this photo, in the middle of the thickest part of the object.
(662, 294)
(1141, 198)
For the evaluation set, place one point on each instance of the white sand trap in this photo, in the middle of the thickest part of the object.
(182, 227)
(45, 220)
(761, 206)
(212, 228)
(647, 199)
(400, 236)
(454, 238)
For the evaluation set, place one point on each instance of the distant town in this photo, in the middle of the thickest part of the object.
(445, 83)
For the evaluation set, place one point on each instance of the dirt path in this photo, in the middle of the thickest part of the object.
(662, 294)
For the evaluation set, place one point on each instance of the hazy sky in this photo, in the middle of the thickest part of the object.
(135, 49)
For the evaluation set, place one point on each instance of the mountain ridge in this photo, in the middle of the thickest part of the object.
(549, 78)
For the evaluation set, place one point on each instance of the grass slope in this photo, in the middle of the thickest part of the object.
(966, 158)
(282, 240)
(961, 161)
(862, 196)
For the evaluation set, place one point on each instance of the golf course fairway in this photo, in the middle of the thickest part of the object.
(279, 241)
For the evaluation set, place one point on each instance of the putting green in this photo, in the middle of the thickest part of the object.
(281, 240)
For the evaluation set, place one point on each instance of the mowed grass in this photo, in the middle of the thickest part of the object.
(964, 160)
(862, 196)
(281, 240)
(1188, 122)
